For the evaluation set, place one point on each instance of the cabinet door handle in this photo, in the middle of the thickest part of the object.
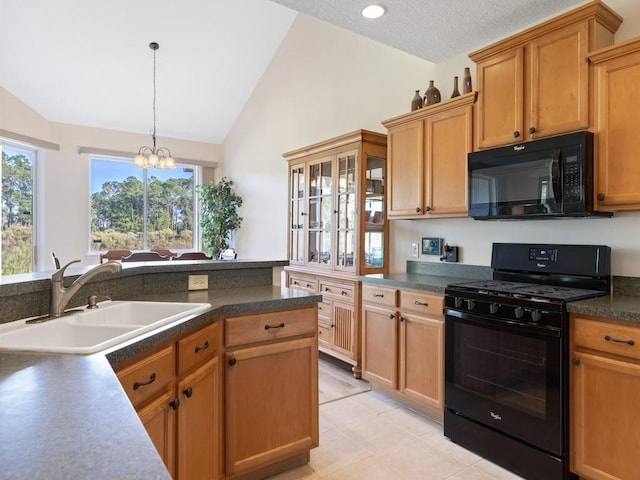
(532, 130)
(204, 346)
(418, 209)
(343, 293)
(609, 338)
(428, 209)
(600, 197)
(174, 403)
(232, 361)
(392, 316)
(422, 304)
(152, 379)
(188, 392)
(575, 361)
(402, 319)
(327, 289)
(516, 134)
(280, 325)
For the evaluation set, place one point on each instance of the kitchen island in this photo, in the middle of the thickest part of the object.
(67, 416)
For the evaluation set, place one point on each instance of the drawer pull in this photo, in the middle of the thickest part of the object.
(327, 289)
(422, 304)
(204, 346)
(343, 293)
(188, 392)
(280, 325)
(152, 379)
(378, 295)
(308, 285)
(609, 338)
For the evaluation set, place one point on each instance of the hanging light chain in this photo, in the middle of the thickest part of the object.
(154, 157)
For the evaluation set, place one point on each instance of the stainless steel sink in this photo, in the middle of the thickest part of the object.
(91, 331)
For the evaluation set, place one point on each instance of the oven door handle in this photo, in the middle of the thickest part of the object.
(452, 315)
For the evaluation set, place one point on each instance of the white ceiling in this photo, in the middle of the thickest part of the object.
(87, 62)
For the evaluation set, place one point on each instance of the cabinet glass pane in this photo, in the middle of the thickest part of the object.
(297, 246)
(373, 249)
(346, 248)
(347, 174)
(374, 212)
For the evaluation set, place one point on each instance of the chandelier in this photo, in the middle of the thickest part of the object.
(153, 156)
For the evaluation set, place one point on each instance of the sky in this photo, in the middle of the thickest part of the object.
(103, 170)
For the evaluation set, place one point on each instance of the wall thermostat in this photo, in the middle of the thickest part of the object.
(431, 246)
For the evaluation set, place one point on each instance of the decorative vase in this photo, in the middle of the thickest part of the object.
(431, 95)
(416, 103)
(466, 81)
(456, 92)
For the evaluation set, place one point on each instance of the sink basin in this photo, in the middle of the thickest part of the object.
(91, 331)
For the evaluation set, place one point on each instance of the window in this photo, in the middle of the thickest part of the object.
(18, 232)
(141, 209)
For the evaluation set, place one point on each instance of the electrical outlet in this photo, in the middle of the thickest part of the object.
(198, 282)
(415, 253)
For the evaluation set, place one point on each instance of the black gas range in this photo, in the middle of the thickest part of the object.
(506, 354)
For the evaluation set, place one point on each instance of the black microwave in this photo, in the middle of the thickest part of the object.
(546, 178)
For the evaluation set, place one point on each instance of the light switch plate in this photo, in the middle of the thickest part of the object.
(198, 282)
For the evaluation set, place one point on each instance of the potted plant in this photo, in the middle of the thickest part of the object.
(219, 216)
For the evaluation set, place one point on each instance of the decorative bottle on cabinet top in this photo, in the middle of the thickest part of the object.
(466, 81)
(416, 103)
(431, 95)
(456, 92)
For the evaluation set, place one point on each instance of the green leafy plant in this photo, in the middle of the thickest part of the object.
(219, 216)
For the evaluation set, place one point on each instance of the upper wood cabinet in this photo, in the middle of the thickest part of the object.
(536, 83)
(617, 176)
(427, 160)
(336, 204)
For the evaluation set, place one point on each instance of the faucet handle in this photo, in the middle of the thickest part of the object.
(59, 275)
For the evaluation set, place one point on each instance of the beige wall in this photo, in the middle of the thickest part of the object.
(324, 82)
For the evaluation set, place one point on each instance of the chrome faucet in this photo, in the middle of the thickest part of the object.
(60, 295)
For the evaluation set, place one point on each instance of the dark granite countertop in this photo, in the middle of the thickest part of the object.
(619, 307)
(430, 283)
(66, 416)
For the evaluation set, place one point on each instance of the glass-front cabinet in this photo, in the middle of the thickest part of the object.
(337, 231)
(336, 209)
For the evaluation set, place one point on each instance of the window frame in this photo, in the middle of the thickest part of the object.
(197, 181)
(35, 206)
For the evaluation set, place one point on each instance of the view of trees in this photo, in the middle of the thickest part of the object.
(117, 213)
(17, 218)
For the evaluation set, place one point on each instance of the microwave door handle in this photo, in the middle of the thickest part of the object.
(554, 173)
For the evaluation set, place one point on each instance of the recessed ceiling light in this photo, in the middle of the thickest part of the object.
(373, 11)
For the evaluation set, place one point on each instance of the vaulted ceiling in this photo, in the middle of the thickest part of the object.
(89, 63)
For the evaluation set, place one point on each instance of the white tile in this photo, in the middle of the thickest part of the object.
(411, 421)
(439, 442)
(336, 451)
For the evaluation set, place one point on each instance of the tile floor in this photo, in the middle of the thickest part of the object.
(366, 436)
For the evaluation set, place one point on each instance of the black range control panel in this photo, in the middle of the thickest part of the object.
(541, 254)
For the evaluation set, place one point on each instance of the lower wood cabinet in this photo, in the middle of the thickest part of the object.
(268, 398)
(338, 319)
(403, 343)
(198, 423)
(176, 392)
(271, 390)
(605, 388)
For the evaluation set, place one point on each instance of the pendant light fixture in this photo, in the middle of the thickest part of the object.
(152, 156)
